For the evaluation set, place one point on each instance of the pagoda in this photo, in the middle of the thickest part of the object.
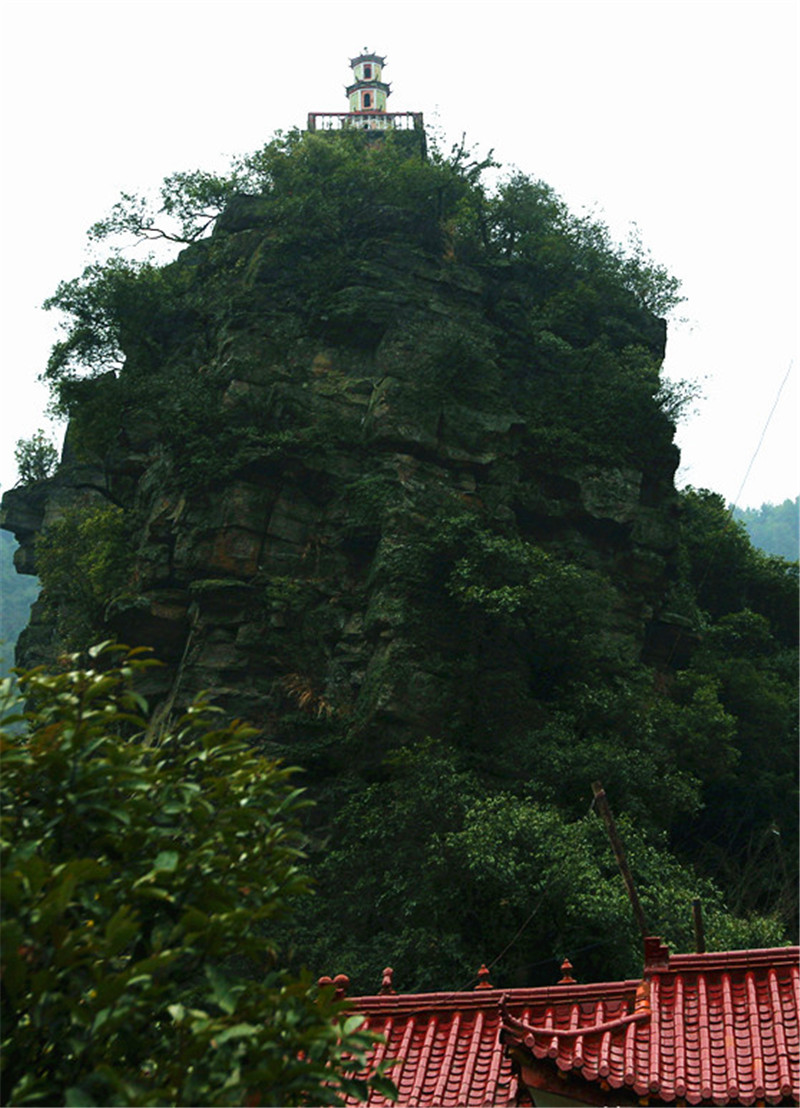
(367, 95)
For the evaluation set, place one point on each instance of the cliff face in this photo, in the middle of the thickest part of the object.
(379, 511)
(386, 467)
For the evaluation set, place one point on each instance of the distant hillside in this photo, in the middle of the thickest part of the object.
(17, 593)
(774, 528)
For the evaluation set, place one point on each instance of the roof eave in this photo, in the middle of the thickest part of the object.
(368, 58)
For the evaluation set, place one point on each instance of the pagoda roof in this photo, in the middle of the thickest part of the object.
(717, 1028)
(369, 84)
(368, 58)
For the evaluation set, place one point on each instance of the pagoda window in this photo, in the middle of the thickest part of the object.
(367, 100)
(367, 72)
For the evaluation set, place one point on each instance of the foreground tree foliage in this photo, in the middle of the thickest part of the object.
(143, 875)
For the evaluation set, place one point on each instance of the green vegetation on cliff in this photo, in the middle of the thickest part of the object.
(385, 462)
(324, 245)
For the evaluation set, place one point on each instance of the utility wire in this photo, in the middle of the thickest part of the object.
(759, 444)
(506, 949)
(735, 504)
(508, 946)
(763, 434)
(570, 954)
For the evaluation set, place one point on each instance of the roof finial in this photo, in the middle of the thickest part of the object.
(342, 983)
(483, 979)
(566, 973)
(387, 985)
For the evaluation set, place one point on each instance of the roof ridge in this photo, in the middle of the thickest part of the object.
(483, 998)
(734, 959)
(487, 998)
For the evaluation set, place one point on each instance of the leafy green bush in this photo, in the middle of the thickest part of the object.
(141, 885)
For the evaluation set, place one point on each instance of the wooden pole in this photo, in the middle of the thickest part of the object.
(699, 930)
(601, 803)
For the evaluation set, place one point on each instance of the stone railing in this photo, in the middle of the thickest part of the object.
(365, 121)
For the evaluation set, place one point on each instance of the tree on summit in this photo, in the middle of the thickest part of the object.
(36, 457)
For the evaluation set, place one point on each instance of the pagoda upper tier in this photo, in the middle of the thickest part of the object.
(367, 95)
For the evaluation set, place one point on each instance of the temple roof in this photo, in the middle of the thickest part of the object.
(719, 1028)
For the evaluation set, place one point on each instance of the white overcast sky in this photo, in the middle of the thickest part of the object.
(679, 116)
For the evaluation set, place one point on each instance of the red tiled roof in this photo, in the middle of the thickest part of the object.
(717, 1028)
(450, 1048)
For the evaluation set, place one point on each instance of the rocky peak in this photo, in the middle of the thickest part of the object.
(309, 480)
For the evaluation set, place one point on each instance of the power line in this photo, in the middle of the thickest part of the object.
(508, 946)
(763, 435)
(734, 505)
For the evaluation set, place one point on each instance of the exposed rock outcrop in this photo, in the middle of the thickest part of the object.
(306, 567)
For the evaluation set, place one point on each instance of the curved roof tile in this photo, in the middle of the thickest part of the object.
(718, 1028)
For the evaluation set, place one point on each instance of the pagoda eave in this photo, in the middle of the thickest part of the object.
(367, 58)
(369, 85)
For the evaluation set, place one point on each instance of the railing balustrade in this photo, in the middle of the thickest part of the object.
(365, 121)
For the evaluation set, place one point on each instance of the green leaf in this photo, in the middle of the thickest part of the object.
(120, 929)
(152, 892)
(221, 990)
(140, 979)
(117, 813)
(238, 1031)
(384, 1086)
(167, 861)
(77, 1097)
